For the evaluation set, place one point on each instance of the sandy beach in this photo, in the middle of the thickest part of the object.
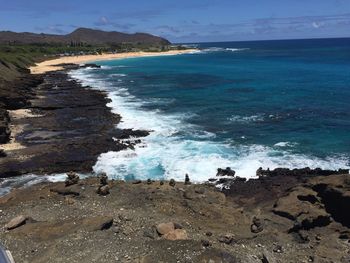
(51, 65)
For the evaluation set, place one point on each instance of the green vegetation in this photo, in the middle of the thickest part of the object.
(16, 58)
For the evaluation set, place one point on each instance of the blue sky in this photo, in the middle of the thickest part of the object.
(184, 20)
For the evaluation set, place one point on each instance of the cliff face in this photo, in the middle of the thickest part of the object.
(85, 35)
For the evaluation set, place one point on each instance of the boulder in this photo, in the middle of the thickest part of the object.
(165, 228)
(16, 222)
(103, 179)
(187, 180)
(172, 182)
(257, 225)
(136, 182)
(304, 207)
(226, 172)
(226, 239)
(103, 190)
(177, 234)
(72, 178)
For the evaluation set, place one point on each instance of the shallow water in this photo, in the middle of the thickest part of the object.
(244, 104)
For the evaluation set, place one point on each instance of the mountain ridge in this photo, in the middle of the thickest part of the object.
(81, 35)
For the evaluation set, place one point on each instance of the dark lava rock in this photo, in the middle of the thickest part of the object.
(90, 65)
(299, 172)
(4, 125)
(226, 172)
(187, 180)
(2, 154)
(172, 182)
(73, 127)
(128, 133)
(72, 178)
(103, 179)
(136, 182)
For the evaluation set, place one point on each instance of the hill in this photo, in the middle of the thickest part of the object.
(81, 35)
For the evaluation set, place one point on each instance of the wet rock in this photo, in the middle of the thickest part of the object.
(72, 178)
(16, 222)
(149, 181)
(165, 228)
(130, 133)
(298, 172)
(136, 182)
(187, 180)
(177, 234)
(90, 65)
(172, 183)
(226, 172)
(161, 183)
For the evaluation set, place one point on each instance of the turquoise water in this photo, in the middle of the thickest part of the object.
(238, 104)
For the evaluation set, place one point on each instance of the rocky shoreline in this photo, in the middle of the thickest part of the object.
(57, 125)
(50, 123)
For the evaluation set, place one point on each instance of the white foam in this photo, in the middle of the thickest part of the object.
(246, 119)
(285, 144)
(220, 49)
(117, 75)
(175, 147)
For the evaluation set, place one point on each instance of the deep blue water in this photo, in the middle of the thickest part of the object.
(238, 104)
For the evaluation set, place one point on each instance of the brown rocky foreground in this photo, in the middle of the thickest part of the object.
(294, 219)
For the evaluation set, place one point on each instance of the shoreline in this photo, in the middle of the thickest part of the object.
(55, 64)
(287, 215)
(61, 129)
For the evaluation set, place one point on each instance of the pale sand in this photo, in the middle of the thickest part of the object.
(50, 65)
(16, 129)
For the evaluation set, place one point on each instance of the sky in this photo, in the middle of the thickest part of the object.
(183, 21)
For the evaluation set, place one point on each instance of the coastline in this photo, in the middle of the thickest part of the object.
(284, 215)
(56, 64)
(61, 129)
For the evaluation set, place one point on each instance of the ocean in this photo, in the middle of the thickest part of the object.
(242, 105)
